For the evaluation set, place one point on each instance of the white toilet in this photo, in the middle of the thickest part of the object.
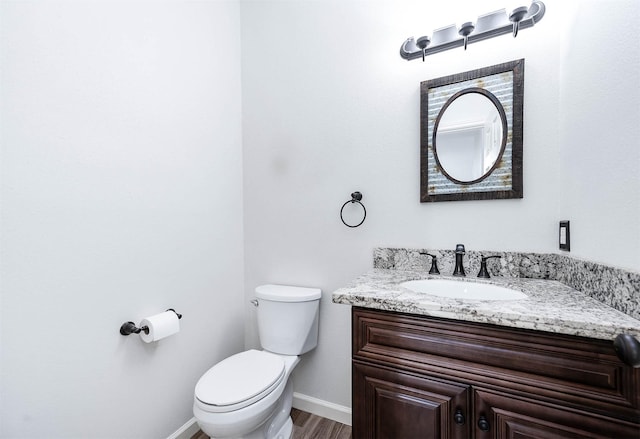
(248, 395)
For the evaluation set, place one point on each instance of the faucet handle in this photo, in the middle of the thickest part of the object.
(434, 264)
(484, 258)
(483, 266)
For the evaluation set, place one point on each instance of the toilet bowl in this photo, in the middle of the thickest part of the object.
(249, 394)
(239, 397)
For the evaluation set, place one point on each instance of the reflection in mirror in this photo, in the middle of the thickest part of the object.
(470, 135)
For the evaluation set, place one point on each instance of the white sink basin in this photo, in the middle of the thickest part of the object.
(462, 290)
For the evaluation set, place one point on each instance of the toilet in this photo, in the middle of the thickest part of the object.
(249, 395)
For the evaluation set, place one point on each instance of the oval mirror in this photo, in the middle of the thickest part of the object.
(470, 135)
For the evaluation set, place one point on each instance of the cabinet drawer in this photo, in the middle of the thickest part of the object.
(574, 371)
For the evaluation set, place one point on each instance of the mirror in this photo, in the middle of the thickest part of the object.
(471, 135)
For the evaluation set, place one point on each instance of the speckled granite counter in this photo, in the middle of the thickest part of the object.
(551, 306)
(619, 289)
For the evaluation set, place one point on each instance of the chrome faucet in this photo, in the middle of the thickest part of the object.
(459, 270)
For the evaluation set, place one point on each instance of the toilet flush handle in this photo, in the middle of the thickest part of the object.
(255, 302)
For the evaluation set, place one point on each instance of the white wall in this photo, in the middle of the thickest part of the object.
(330, 107)
(600, 135)
(121, 197)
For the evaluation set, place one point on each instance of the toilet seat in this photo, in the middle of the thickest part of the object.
(239, 381)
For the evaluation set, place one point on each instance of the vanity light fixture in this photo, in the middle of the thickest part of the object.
(422, 44)
(465, 30)
(516, 17)
(487, 26)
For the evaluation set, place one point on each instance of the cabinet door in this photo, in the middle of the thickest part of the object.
(388, 404)
(500, 416)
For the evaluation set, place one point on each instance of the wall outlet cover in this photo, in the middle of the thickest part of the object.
(564, 240)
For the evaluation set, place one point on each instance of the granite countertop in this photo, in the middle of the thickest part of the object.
(551, 306)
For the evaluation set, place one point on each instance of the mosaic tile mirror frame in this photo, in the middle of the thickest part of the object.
(463, 154)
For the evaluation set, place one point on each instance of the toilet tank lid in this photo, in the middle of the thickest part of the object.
(286, 293)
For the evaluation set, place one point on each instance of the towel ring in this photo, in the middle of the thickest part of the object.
(355, 198)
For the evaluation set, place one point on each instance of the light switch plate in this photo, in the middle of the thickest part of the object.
(564, 240)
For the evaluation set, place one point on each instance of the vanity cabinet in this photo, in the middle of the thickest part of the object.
(392, 404)
(422, 377)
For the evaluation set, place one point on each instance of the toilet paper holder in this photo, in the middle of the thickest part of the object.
(129, 328)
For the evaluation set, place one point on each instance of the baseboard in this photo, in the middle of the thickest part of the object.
(186, 431)
(309, 404)
(319, 407)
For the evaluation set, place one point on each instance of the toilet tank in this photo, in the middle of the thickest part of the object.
(288, 318)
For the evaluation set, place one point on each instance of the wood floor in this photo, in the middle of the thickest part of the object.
(308, 426)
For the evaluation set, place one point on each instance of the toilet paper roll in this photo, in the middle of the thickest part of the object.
(160, 326)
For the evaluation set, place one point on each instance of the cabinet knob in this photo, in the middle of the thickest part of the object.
(627, 348)
(483, 424)
(458, 417)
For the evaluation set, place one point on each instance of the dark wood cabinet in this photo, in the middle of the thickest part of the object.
(422, 377)
(401, 405)
(519, 418)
